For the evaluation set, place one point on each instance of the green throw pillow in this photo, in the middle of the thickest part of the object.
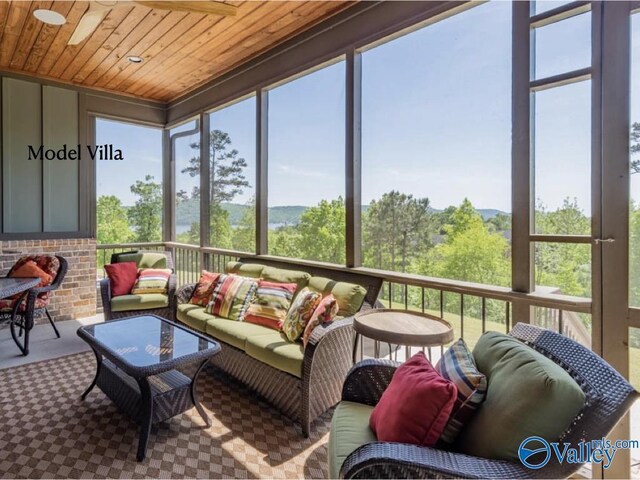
(527, 394)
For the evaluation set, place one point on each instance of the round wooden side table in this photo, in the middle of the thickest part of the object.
(401, 328)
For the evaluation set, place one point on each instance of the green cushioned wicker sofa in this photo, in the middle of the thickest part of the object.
(301, 383)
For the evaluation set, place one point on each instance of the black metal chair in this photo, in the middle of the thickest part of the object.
(608, 397)
(22, 313)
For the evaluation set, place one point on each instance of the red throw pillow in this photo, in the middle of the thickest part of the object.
(123, 277)
(416, 405)
(204, 288)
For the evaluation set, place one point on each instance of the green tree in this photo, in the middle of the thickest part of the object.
(283, 242)
(321, 232)
(634, 149)
(500, 222)
(397, 228)
(244, 236)
(111, 216)
(566, 266)
(634, 254)
(146, 213)
(470, 251)
(227, 181)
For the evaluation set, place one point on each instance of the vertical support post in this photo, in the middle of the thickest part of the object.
(262, 162)
(205, 185)
(169, 188)
(353, 174)
(615, 125)
(522, 178)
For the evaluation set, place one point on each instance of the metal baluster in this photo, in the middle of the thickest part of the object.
(406, 296)
(560, 322)
(441, 303)
(508, 322)
(423, 300)
(462, 315)
(484, 314)
(390, 296)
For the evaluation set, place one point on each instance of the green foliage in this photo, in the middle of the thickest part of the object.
(244, 235)
(397, 229)
(469, 252)
(146, 213)
(566, 266)
(112, 223)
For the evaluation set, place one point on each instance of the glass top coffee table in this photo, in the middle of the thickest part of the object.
(138, 368)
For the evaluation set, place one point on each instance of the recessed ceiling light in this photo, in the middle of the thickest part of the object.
(135, 59)
(49, 16)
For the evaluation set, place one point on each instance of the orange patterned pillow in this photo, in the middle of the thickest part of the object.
(29, 269)
(204, 288)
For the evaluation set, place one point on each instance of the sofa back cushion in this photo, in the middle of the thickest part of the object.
(416, 405)
(251, 270)
(145, 259)
(527, 394)
(349, 295)
(280, 275)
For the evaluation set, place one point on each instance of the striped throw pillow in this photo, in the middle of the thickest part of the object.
(323, 314)
(151, 280)
(457, 365)
(271, 303)
(231, 296)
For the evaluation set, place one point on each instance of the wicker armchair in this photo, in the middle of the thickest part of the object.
(22, 314)
(608, 397)
(164, 312)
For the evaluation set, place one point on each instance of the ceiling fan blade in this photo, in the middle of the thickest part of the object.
(89, 22)
(210, 8)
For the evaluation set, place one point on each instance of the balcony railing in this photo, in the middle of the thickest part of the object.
(471, 308)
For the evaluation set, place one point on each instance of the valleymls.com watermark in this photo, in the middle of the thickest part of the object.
(536, 452)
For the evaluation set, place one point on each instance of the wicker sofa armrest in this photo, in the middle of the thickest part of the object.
(105, 294)
(398, 460)
(184, 293)
(171, 293)
(367, 380)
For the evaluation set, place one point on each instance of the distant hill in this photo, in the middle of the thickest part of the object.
(187, 213)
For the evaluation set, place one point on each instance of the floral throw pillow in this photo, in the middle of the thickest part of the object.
(300, 313)
(324, 313)
(204, 288)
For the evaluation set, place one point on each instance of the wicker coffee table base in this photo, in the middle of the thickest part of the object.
(148, 400)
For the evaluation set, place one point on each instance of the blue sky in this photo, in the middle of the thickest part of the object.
(436, 121)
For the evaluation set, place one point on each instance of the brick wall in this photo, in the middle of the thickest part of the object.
(77, 296)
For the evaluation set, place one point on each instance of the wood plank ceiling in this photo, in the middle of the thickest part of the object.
(181, 50)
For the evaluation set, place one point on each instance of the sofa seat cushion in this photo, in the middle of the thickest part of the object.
(527, 395)
(194, 316)
(275, 350)
(145, 301)
(233, 332)
(349, 430)
(349, 295)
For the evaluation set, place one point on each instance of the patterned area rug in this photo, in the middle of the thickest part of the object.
(48, 432)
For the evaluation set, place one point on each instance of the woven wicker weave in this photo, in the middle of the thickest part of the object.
(166, 312)
(608, 397)
(327, 359)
